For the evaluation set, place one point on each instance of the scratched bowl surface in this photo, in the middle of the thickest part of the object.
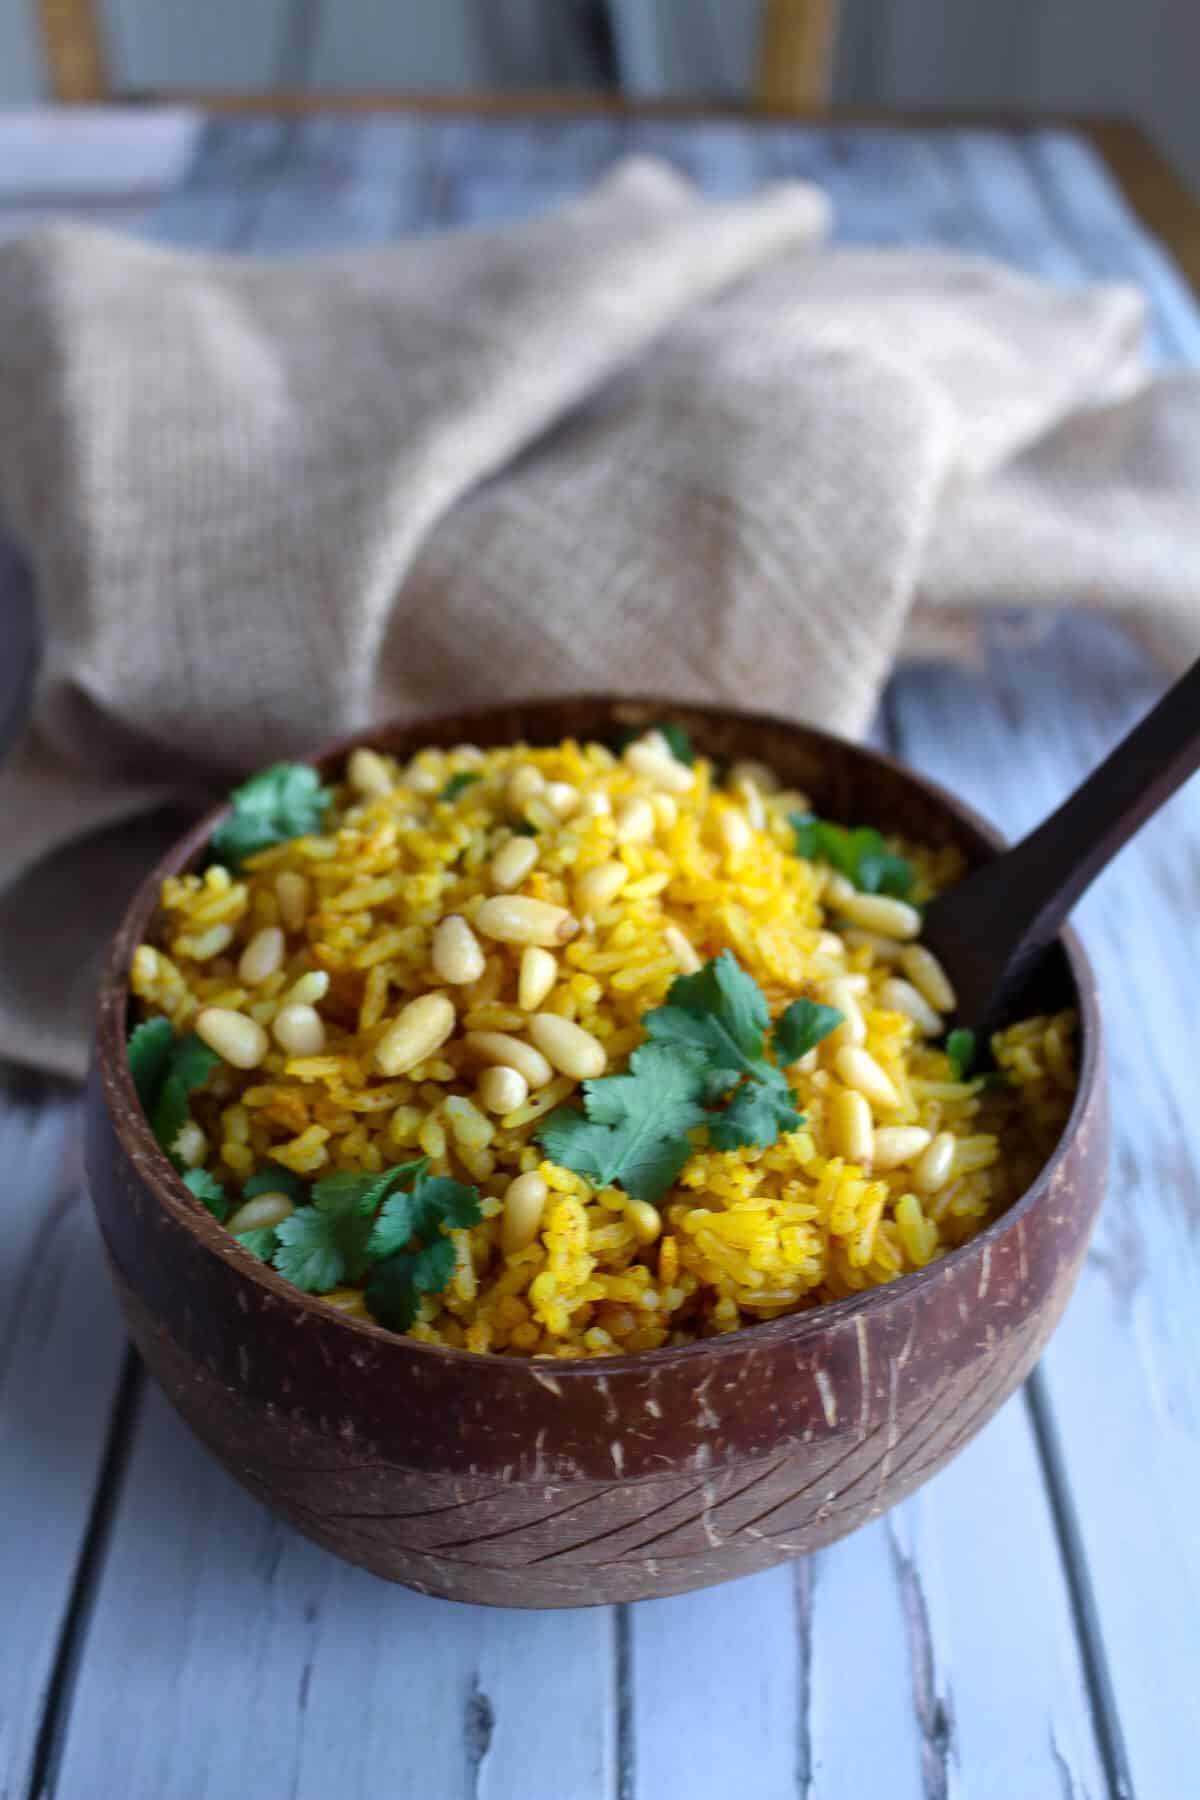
(503, 1480)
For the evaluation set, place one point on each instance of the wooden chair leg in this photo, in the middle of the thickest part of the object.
(73, 47)
(796, 54)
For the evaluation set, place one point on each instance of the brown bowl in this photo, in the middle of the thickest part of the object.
(499, 1479)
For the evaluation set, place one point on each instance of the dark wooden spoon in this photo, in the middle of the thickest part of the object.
(991, 930)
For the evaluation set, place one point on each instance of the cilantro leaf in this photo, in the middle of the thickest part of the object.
(636, 1125)
(348, 1192)
(960, 1048)
(431, 1202)
(757, 1113)
(283, 801)
(397, 1283)
(165, 1070)
(861, 855)
(316, 1250)
(800, 1028)
(262, 1241)
(275, 1180)
(464, 779)
(677, 739)
(720, 1010)
(209, 1192)
(149, 1050)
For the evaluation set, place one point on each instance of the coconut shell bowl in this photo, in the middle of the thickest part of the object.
(515, 1482)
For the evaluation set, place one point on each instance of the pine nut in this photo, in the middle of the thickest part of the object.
(261, 1212)
(513, 862)
(898, 1144)
(859, 1070)
(660, 768)
(524, 1203)
(595, 806)
(422, 780)
(764, 779)
(830, 944)
(598, 885)
(750, 795)
(666, 812)
(927, 974)
(682, 950)
(562, 798)
(933, 1169)
(524, 784)
(299, 1030)
(207, 944)
(903, 997)
(510, 1052)
(733, 828)
(853, 1029)
(645, 1219)
(635, 821)
(515, 919)
(457, 953)
(416, 1032)
(237, 1040)
(878, 912)
(262, 956)
(572, 1050)
(191, 1145)
(503, 1089)
(368, 774)
(291, 891)
(851, 1126)
(884, 950)
(308, 989)
(539, 972)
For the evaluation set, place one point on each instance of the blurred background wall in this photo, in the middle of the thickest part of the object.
(1140, 58)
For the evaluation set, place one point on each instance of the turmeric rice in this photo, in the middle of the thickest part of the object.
(468, 938)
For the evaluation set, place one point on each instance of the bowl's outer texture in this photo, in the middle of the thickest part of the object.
(514, 1482)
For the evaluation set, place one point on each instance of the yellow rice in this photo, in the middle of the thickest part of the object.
(747, 1234)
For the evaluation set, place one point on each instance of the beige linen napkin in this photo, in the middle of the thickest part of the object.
(647, 442)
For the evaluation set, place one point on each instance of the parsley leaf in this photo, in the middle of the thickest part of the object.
(707, 1039)
(464, 779)
(960, 1048)
(326, 1243)
(209, 1192)
(275, 1180)
(800, 1028)
(861, 855)
(636, 1125)
(149, 1051)
(280, 802)
(397, 1283)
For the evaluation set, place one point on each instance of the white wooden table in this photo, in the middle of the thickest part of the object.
(1027, 1627)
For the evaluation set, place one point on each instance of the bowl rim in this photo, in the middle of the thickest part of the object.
(158, 1174)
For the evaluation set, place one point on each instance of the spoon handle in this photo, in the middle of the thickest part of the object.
(997, 922)
(1062, 856)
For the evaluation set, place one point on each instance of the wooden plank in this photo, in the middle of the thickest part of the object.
(225, 1655)
(61, 1355)
(717, 1691)
(1122, 1377)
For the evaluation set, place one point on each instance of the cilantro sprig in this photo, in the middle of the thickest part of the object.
(861, 855)
(677, 739)
(283, 801)
(391, 1224)
(209, 1191)
(166, 1069)
(704, 1063)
